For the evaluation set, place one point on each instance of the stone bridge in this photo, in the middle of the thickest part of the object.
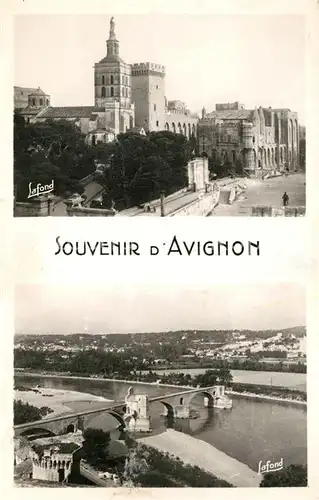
(176, 405)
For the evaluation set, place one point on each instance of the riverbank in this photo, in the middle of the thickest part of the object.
(263, 397)
(59, 401)
(245, 394)
(196, 452)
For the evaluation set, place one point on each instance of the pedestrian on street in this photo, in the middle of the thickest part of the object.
(285, 199)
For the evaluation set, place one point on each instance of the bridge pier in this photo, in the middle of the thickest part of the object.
(182, 411)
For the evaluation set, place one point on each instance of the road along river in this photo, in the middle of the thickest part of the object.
(250, 432)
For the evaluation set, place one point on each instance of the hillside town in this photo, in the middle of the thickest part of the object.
(167, 348)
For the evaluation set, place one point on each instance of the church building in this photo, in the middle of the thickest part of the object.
(127, 97)
(113, 110)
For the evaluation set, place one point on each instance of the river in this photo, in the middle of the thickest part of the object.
(280, 379)
(251, 431)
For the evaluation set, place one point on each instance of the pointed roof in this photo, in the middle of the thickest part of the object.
(38, 92)
(112, 46)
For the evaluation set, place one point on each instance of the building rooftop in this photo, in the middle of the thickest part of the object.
(28, 110)
(232, 114)
(24, 89)
(37, 92)
(71, 112)
(56, 447)
(111, 58)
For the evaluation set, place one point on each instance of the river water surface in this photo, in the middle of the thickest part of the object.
(251, 431)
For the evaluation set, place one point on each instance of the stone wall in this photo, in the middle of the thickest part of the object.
(230, 193)
(202, 206)
(37, 207)
(43, 474)
(266, 211)
(89, 212)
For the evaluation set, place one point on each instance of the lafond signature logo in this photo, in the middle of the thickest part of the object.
(270, 467)
(40, 189)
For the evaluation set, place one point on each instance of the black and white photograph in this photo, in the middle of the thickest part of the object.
(152, 358)
(150, 386)
(159, 115)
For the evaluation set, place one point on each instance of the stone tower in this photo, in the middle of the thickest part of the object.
(148, 95)
(137, 416)
(112, 84)
(38, 99)
(248, 151)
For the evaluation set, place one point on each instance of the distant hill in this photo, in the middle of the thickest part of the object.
(121, 339)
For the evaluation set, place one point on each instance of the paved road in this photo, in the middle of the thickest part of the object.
(92, 189)
(268, 192)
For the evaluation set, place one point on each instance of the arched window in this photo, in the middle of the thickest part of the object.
(112, 80)
(103, 80)
(174, 127)
(47, 102)
(103, 92)
(112, 91)
(33, 102)
(41, 102)
(166, 126)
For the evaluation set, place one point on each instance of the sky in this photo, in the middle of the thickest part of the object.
(95, 309)
(258, 60)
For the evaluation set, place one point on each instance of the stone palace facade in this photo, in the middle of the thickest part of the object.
(258, 139)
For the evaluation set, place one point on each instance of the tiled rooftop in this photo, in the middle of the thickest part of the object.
(71, 112)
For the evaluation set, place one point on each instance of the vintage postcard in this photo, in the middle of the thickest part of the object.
(143, 355)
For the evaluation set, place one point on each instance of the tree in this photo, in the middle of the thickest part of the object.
(140, 167)
(50, 151)
(95, 445)
(212, 377)
(294, 475)
(24, 412)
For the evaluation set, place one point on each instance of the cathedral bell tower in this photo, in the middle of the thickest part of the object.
(112, 86)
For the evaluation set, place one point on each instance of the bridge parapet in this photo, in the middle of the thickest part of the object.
(178, 405)
(64, 424)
